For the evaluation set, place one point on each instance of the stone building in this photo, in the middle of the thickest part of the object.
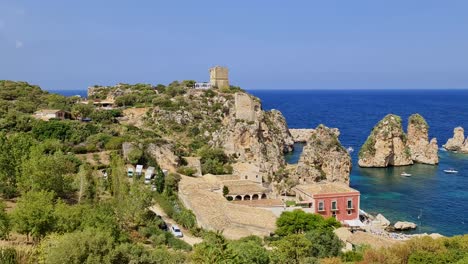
(219, 77)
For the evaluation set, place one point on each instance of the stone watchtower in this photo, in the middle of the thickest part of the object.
(219, 77)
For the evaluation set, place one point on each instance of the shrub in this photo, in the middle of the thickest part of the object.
(186, 170)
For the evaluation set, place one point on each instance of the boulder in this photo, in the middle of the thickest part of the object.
(383, 221)
(422, 151)
(386, 145)
(400, 225)
(457, 142)
(323, 158)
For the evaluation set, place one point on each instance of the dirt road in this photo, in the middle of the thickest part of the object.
(187, 236)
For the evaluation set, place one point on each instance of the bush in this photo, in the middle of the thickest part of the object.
(186, 170)
(115, 143)
(8, 255)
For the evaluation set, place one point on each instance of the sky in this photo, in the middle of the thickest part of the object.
(359, 44)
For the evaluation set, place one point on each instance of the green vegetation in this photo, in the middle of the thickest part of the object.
(418, 121)
(214, 161)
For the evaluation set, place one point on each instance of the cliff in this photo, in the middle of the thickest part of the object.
(255, 137)
(388, 145)
(457, 142)
(323, 158)
(422, 151)
(253, 140)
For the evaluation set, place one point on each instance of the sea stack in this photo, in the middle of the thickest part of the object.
(324, 158)
(422, 151)
(386, 145)
(458, 142)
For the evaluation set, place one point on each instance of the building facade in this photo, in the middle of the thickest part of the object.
(330, 200)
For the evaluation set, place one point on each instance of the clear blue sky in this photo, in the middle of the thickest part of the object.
(61, 44)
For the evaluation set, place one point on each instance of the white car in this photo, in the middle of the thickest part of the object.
(175, 230)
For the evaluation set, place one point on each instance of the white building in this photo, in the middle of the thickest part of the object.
(202, 85)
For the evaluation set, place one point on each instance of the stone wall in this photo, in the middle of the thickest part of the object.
(246, 107)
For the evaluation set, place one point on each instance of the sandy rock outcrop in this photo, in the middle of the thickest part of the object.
(323, 158)
(386, 145)
(457, 142)
(422, 151)
(301, 134)
(404, 225)
(164, 155)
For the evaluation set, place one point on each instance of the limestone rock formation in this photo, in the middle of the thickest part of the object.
(404, 225)
(301, 134)
(386, 145)
(422, 151)
(324, 158)
(383, 221)
(458, 142)
(254, 136)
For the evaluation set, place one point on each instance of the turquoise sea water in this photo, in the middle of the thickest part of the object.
(436, 201)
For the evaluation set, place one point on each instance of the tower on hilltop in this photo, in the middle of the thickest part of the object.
(219, 77)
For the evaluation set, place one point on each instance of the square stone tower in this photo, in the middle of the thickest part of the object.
(219, 77)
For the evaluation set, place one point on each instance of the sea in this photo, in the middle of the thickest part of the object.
(436, 201)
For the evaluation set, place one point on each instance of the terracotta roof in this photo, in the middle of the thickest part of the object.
(243, 187)
(325, 188)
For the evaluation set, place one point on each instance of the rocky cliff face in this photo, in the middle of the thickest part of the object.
(458, 142)
(388, 145)
(422, 151)
(256, 137)
(255, 140)
(323, 158)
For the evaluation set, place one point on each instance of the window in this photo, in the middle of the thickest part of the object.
(350, 203)
(334, 205)
(246, 177)
(349, 212)
(321, 206)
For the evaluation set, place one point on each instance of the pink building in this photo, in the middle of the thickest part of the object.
(329, 200)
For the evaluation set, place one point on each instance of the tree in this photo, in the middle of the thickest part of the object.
(213, 249)
(291, 249)
(82, 110)
(5, 225)
(249, 250)
(324, 243)
(48, 172)
(135, 155)
(14, 150)
(159, 181)
(34, 214)
(298, 221)
(225, 190)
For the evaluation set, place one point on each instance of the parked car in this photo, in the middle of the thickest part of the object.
(130, 172)
(175, 230)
